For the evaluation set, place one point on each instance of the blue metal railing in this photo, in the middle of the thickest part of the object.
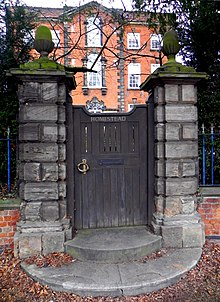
(209, 156)
(7, 140)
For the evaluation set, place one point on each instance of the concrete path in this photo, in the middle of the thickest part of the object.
(87, 278)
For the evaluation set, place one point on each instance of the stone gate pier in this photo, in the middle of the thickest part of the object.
(173, 92)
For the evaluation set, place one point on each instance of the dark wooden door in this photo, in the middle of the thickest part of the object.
(113, 192)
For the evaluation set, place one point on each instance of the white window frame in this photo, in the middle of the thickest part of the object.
(93, 32)
(55, 37)
(154, 66)
(155, 42)
(133, 40)
(134, 75)
(94, 80)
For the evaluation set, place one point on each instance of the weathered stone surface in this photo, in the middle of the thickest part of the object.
(159, 186)
(188, 93)
(62, 171)
(159, 203)
(32, 211)
(160, 132)
(53, 242)
(171, 93)
(173, 131)
(181, 186)
(193, 235)
(172, 236)
(62, 152)
(29, 92)
(49, 172)
(190, 131)
(61, 133)
(49, 133)
(173, 206)
(29, 245)
(159, 114)
(37, 112)
(159, 95)
(172, 168)
(181, 150)
(49, 92)
(62, 114)
(181, 113)
(63, 208)
(188, 204)
(40, 226)
(159, 167)
(160, 150)
(50, 211)
(62, 189)
(189, 168)
(42, 152)
(41, 191)
(32, 171)
(29, 132)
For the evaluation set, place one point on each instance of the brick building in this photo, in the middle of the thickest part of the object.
(130, 51)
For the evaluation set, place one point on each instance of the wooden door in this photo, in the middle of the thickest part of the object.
(110, 168)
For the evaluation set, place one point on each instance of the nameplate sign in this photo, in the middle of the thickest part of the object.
(111, 162)
(108, 118)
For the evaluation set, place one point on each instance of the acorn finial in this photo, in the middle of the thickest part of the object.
(170, 45)
(43, 41)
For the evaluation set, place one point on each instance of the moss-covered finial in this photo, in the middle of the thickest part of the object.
(170, 45)
(43, 41)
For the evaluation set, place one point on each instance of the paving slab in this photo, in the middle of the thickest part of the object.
(86, 278)
(113, 245)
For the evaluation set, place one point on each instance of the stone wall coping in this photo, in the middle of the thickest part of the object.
(213, 191)
(9, 204)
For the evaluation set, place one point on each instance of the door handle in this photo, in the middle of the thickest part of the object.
(83, 167)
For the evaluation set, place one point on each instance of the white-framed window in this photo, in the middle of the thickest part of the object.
(55, 37)
(94, 79)
(133, 40)
(134, 75)
(155, 42)
(154, 67)
(93, 32)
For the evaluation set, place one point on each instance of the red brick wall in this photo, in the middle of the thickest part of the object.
(8, 220)
(209, 210)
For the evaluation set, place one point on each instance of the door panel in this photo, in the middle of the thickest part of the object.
(113, 192)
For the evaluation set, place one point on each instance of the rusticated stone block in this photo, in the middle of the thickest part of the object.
(42, 152)
(159, 114)
(173, 131)
(172, 236)
(29, 245)
(160, 130)
(63, 208)
(188, 93)
(32, 211)
(181, 113)
(159, 186)
(159, 95)
(61, 133)
(62, 171)
(159, 167)
(41, 191)
(62, 189)
(62, 152)
(159, 203)
(160, 150)
(62, 114)
(171, 93)
(49, 92)
(29, 92)
(181, 186)
(193, 235)
(50, 211)
(49, 172)
(53, 242)
(32, 171)
(189, 168)
(188, 204)
(29, 132)
(49, 133)
(37, 112)
(190, 131)
(172, 169)
(181, 150)
(173, 206)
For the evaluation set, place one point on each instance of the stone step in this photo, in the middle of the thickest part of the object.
(87, 278)
(113, 245)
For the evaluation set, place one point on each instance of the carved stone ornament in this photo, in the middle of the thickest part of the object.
(95, 105)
